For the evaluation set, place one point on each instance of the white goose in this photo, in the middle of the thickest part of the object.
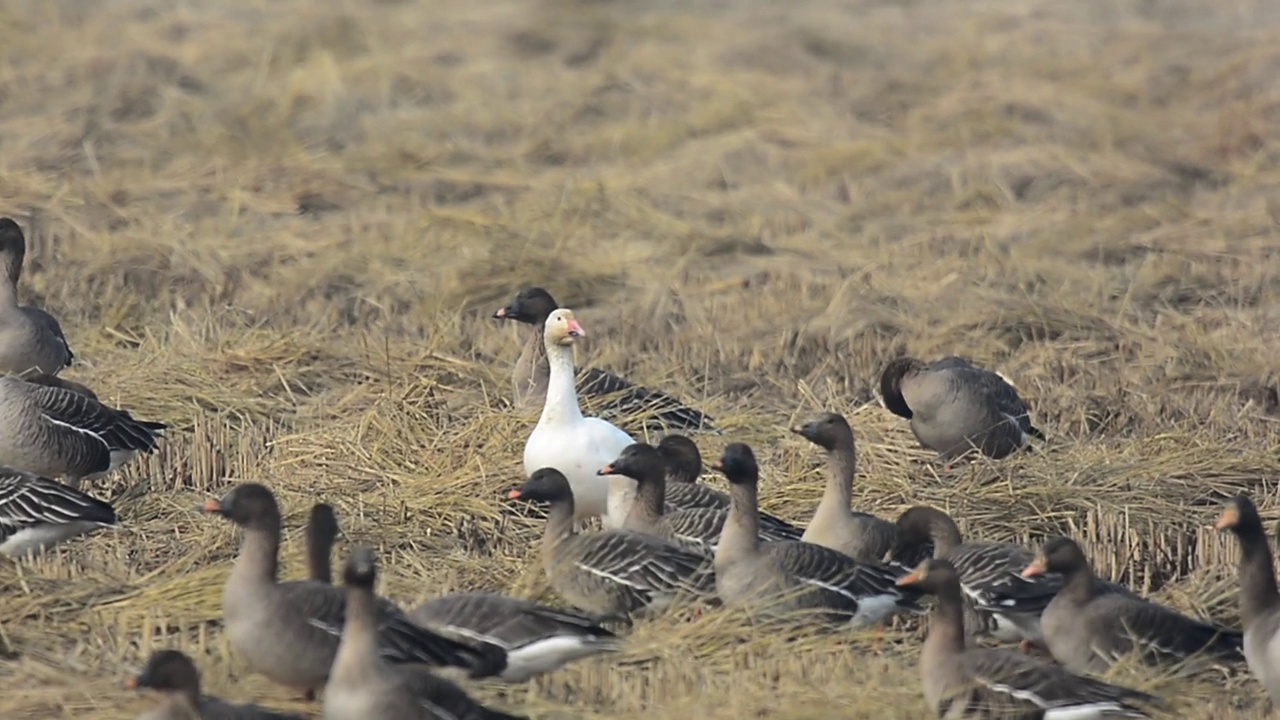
(577, 446)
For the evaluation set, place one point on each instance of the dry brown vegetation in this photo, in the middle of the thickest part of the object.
(282, 226)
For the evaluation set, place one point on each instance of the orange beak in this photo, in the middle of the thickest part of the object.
(606, 470)
(575, 329)
(1035, 569)
(910, 578)
(514, 494)
(211, 506)
(797, 429)
(1227, 519)
(130, 683)
(500, 313)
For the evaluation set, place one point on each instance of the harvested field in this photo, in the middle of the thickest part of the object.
(283, 226)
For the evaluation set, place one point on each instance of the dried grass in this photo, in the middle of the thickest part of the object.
(282, 227)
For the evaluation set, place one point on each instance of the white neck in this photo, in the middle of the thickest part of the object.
(562, 396)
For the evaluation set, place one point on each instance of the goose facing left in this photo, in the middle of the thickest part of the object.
(289, 631)
(30, 338)
(172, 676)
(37, 513)
(53, 431)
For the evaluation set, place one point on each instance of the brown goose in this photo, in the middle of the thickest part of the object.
(683, 491)
(537, 638)
(1087, 630)
(859, 535)
(612, 573)
(954, 407)
(1259, 599)
(619, 396)
(173, 676)
(30, 338)
(985, 683)
(37, 513)
(697, 528)
(782, 578)
(56, 432)
(363, 685)
(289, 631)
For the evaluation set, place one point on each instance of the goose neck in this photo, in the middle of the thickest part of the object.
(562, 396)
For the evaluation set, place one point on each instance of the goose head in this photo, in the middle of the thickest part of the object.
(562, 328)
(13, 248)
(828, 431)
(930, 576)
(683, 461)
(1059, 555)
(248, 505)
(167, 671)
(531, 307)
(738, 463)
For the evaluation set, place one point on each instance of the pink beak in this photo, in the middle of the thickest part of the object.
(575, 330)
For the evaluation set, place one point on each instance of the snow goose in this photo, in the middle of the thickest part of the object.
(56, 432)
(288, 631)
(621, 397)
(30, 338)
(1259, 599)
(363, 686)
(173, 676)
(1088, 631)
(612, 573)
(954, 407)
(788, 577)
(983, 683)
(575, 445)
(696, 528)
(37, 513)
(859, 535)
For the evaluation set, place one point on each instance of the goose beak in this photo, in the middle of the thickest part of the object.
(607, 470)
(910, 578)
(1035, 569)
(514, 494)
(797, 429)
(212, 507)
(1227, 519)
(718, 466)
(575, 329)
(501, 313)
(130, 683)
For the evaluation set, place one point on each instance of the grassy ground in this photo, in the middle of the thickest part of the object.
(282, 226)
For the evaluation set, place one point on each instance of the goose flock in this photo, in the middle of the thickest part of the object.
(629, 533)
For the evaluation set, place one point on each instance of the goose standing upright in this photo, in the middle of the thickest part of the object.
(322, 529)
(363, 685)
(1259, 598)
(37, 513)
(577, 446)
(172, 674)
(531, 377)
(859, 535)
(955, 406)
(992, 684)
(30, 338)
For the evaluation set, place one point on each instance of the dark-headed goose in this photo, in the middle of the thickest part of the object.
(990, 684)
(37, 513)
(859, 535)
(322, 530)
(575, 445)
(612, 573)
(30, 338)
(1259, 599)
(173, 676)
(697, 528)
(1088, 631)
(364, 686)
(288, 631)
(955, 406)
(531, 378)
(56, 432)
(788, 577)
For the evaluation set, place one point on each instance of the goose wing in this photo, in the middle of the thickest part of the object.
(991, 575)
(628, 399)
(503, 620)
(1007, 680)
(117, 428)
(843, 582)
(648, 565)
(1164, 634)
(27, 500)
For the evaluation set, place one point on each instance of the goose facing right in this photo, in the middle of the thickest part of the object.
(1259, 598)
(56, 432)
(782, 578)
(30, 338)
(990, 684)
(363, 686)
(955, 406)
(173, 676)
(612, 573)
(289, 631)
(37, 513)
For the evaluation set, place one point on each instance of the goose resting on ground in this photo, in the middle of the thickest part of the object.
(37, 513)
(30, 338)
(174, 677)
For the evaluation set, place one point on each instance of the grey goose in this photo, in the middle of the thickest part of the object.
(618, 396)
(56, 432)
(955, 406)
(537, 638)
(38, 513)
(696, 528)
(789, 577)
(612, 573)
(289, 631)
(859, 535)
(990, 684)
(174, 678)
(1259, 599)
(363, 685)
(1088, 631)
(30, 338)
